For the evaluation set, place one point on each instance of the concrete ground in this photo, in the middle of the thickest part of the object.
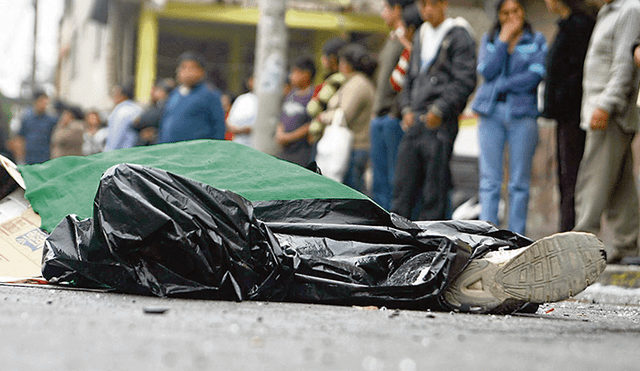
(54, 329)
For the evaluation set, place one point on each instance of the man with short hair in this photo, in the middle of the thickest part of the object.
(194, 110)
(606, 184)
(385, 130)
(294, 122)
(440, 77)
(34, 138)
(120, 131)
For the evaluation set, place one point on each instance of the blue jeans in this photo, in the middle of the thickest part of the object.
(522, 135)
(354, 177)
(385, 134)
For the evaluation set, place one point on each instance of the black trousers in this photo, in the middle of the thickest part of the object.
(569, 149)
(423, 171)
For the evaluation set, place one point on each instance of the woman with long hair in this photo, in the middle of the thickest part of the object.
(95, 133)
(563, 96)
(355, 98)
(512, 63)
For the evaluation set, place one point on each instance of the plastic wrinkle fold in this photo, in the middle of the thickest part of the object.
(156, 233)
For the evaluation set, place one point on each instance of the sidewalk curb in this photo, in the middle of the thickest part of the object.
(621, 275)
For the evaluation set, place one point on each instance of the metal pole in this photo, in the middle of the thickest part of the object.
(270, 71)
(35, 45)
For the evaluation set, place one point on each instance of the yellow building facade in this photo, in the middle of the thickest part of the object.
(226, 35)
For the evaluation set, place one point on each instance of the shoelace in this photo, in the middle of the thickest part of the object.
(502, 255)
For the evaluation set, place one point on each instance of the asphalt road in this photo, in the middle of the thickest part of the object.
(54, 329)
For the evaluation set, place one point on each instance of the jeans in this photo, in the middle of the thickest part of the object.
(354, 177)
(385, 134)
(522, 135)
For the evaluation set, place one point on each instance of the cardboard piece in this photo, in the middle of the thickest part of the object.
(21, 239)
(12, 170)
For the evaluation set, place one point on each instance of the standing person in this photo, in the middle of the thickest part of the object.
(412, 21)
(95, 135)
(194, 110)
(385, 124)
(227, 99)
(242, 115)
(440, 77)
(605, 184)
(120, 132)
(563, 96)
(512, 63)
(294, 123)
(34, 138)
(355, 98)
(149, 120)
(66, 139)
(332, 82)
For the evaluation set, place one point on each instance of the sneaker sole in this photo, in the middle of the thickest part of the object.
(551, 269)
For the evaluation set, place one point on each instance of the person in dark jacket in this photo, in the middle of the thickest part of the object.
(194, 110)
(563, 96)
(148, 122)
(512, 63)
(440, 77)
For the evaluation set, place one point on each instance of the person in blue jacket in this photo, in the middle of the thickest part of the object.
(512, 63)
(193, 110)
(34, 138)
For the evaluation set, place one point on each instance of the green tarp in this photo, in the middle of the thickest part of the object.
(68, 185)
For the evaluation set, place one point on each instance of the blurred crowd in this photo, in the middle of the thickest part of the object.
(401, 111)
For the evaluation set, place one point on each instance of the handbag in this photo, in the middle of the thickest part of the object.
(333, 152)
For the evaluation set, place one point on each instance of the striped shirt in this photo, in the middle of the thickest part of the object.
(399, 74)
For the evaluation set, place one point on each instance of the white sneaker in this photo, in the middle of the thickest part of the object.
(551, 269)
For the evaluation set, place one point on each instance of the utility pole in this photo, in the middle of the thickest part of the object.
(270, 71)
(35, 46)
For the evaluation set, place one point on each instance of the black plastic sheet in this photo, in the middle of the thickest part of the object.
(156, 233)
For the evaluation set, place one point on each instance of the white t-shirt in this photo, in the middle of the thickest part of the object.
(243, 113)
(431, 38)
